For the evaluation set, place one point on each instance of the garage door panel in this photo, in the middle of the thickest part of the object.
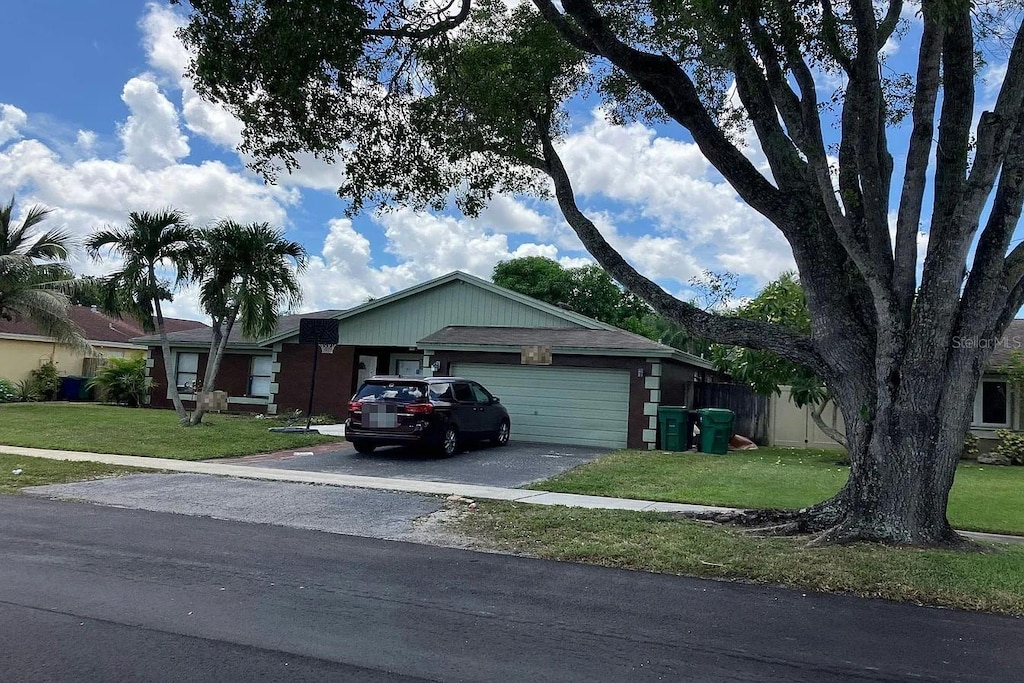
(563, 412)
(580, 384)
(558, 404)
(585, 406)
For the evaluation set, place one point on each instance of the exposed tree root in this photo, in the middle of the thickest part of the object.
(787, 529)
(846, 533)
(778, 522)
(827, 526)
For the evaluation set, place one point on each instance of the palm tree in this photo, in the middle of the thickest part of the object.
(249, 274)
(148, 243)
(35, 280)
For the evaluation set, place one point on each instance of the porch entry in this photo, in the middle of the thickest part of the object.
(407, 364)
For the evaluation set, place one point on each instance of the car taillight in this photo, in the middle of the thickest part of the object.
(355, 407)
(419, 408)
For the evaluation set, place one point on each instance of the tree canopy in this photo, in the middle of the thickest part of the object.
(247, 275)
(587, 290)
(36, 282)
(425, 104)
(148, 245)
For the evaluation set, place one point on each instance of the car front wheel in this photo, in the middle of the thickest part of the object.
(501, 436)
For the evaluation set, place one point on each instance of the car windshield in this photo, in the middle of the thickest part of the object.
(402, 392)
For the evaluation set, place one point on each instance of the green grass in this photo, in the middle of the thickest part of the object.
(668, 544)
(140, 431)
(41, 471)
(984, 497)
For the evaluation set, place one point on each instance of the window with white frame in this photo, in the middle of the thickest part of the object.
(992, 403)
(187, 371)
(259, 377)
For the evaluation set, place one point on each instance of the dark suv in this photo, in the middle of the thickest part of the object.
(439, 412)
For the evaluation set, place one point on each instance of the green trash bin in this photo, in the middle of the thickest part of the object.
(672, 428)
(715, 430)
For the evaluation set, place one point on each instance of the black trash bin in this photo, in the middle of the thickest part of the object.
(71, 387)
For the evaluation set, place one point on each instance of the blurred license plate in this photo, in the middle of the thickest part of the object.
(380, 416)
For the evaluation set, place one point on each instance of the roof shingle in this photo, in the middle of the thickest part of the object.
(285, 324)
(99, 327)
(543, 336)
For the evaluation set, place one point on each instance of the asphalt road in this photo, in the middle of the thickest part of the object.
(514, 465)
(97, 593)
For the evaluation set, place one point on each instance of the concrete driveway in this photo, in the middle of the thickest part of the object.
(516, 464)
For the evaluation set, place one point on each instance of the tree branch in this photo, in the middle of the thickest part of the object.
(673, 89)
(889, 21)
(748, 333)
(826, 428)
(908, 221)
(764, 103)
(990, 267)
(869, 143)
(994, 136)
(832, 39)
(569, 31)
(442, 24)
(933, 312)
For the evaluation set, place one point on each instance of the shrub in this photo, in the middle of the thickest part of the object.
(970, 451)
(122, 381)
(8, 391)
(1011, 446)
(44, 382)
(26, 389)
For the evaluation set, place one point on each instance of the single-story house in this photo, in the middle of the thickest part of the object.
(23, 347)
(564, 377)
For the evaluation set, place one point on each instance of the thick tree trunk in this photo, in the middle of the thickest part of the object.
(904, 444)
(898, 486)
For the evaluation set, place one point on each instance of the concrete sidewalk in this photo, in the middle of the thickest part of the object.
(402, 485)
(379, 483)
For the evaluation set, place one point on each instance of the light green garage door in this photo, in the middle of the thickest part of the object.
(582, 406)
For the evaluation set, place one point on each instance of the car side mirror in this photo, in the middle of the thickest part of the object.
(495, 399)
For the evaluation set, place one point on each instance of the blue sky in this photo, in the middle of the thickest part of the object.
(96, 120)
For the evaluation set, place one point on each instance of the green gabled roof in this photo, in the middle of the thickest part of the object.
(570, 316)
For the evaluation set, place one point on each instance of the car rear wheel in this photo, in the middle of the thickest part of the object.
(449, 442)
(363, 446)
(501, 436)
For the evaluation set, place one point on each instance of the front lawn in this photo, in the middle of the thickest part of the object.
(140, 431)
(19, 471)
(665, 543)
(984, 497)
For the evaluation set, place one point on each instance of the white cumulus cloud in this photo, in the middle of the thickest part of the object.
(150, 136)
(11, 120)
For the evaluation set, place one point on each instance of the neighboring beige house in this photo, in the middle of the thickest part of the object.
(24, 348)
(997, 403)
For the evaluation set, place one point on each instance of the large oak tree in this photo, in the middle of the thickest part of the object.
(425, 103)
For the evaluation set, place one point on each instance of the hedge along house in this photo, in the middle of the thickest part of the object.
(564, 377)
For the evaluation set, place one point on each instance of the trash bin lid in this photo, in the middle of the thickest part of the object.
(716, 414)
(671, 410)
